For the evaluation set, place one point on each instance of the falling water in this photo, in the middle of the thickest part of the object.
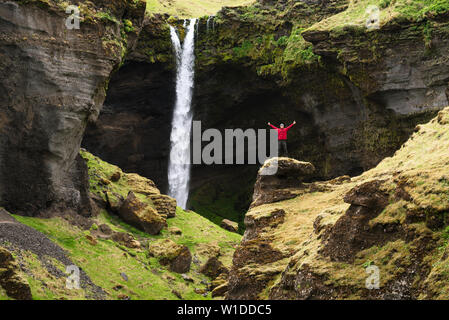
(179, 164)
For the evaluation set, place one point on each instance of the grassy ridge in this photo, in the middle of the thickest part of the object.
(191, 8)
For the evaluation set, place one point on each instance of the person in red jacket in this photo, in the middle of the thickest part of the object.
(282, 137)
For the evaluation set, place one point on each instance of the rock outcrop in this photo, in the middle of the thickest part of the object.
(356, 94)
(277, 177)
(53, 80)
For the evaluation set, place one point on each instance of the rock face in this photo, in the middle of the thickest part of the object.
(177, 257)
(11, 281)
(276, 177)
(353, 106)
(52, 82)
(141, 215)
(165, 205)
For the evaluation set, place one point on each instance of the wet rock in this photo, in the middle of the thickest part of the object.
(141, 215)
(177, 257)
(12, 282)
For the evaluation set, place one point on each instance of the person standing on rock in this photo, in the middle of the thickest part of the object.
(282, 137)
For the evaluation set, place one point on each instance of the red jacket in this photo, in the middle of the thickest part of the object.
(282, 133)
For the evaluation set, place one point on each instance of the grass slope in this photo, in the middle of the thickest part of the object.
(105, 261)
(191, 8)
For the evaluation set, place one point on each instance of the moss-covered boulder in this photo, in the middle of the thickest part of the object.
(165, 205)
(229, 225)
(141, 215)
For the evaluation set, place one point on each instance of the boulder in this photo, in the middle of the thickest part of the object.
(142, 185)
(141, 215)
(165, 205)
(44, 113)
(229, 225)
(169, 253)
(105, 229)
(175, 231)
(220, 291)
(113, 201)
(116, 176)
(277, 177)
(213, 268)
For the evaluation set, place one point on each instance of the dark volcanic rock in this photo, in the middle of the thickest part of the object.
(52, 82)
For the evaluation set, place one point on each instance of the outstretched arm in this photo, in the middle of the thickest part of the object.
(294, 122)
(272, 126)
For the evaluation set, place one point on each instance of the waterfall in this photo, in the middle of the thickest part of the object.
(209, 19)
(179, 163)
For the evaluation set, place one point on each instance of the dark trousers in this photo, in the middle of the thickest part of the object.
(282, 148)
